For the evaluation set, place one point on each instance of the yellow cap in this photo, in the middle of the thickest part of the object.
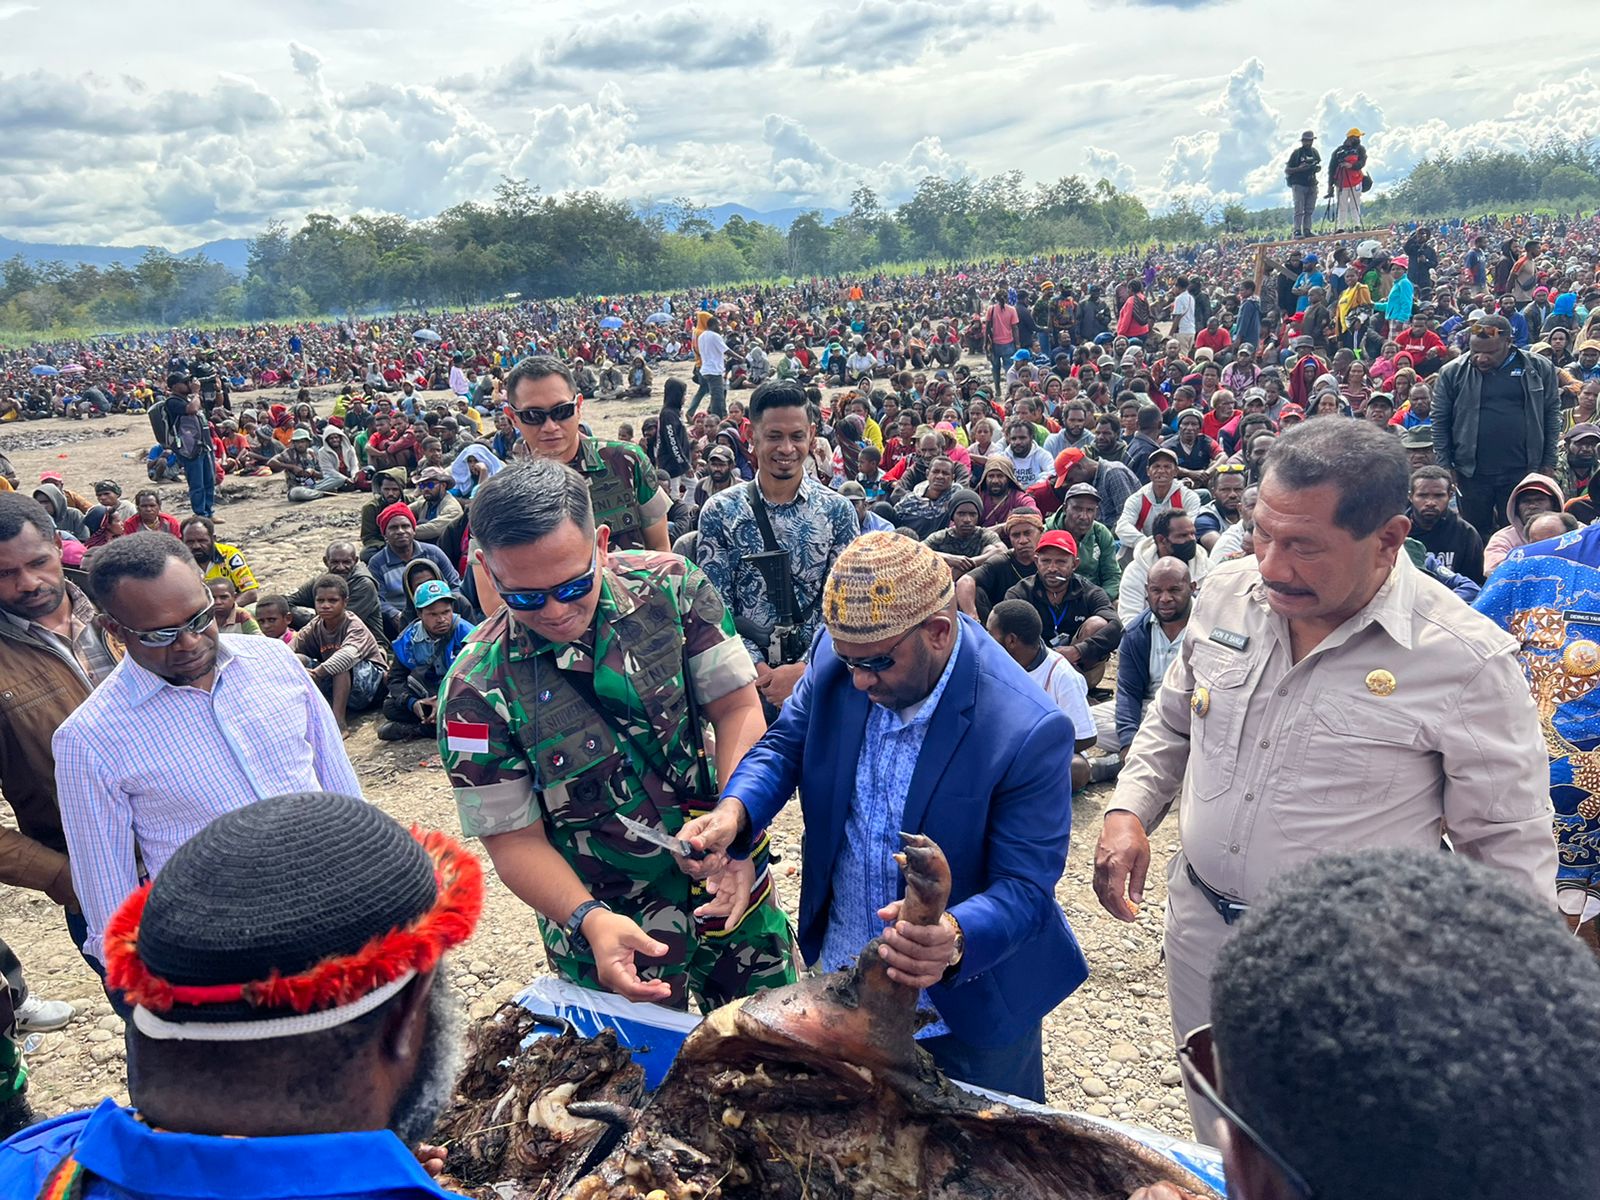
(1355, 133)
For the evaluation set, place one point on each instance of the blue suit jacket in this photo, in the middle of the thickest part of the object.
(993, 787)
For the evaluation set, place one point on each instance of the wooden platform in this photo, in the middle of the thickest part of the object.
(1328, 239)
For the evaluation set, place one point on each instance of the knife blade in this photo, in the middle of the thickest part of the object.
(655, 837)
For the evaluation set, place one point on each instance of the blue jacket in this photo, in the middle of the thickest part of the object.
(1133, 677)
(992, 787)
(126, 1159)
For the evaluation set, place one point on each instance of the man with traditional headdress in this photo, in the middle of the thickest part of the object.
(291, 1031)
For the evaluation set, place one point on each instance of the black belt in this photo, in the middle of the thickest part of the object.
(1228, 909)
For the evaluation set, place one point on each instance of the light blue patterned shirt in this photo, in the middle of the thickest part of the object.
(814, 529)
(865, 878)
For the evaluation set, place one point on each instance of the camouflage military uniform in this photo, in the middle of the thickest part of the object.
(622, 487)
(549, 756)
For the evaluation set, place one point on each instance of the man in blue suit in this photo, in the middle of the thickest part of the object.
(910, 717)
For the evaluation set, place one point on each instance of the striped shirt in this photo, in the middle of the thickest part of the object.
(142, 765)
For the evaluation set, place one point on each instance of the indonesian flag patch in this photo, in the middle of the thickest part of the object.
(466, 737)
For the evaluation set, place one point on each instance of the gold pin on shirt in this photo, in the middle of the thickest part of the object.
(1200, 701)
(1380, 682)
(1581, 658)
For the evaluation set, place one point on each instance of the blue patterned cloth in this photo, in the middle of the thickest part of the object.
(1547, 596)
(865, 878)
(813, 529)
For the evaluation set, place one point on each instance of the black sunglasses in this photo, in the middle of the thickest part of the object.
(538, 416)
(1197, 1062)
(157, 638)
(533, 599)
(878, 663)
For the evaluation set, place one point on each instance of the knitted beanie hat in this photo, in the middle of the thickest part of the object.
(398, 509)
(290, 915)
(881, 585)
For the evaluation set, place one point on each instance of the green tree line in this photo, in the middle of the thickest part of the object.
(524, 243)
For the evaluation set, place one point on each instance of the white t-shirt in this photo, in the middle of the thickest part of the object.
(1183, 313)
(712, 351)
(1070, 690)
(1032, 466)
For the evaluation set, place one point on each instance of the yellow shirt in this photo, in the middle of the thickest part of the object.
(227, 561)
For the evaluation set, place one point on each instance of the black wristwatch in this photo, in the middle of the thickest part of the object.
(574, 926)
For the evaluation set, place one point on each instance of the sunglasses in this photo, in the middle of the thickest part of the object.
(157, 638)
(1197, 1062)
(1230, 469)
(1493, 331)
(534, 599)
(536, 417)
(878, 663)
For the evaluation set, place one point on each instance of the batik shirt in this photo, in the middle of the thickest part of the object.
(814, 528)
(1547, 596)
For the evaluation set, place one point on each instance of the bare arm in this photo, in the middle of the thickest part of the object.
(738, 723)
(656, 536)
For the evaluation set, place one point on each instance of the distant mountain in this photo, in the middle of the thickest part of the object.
(232, 253)
(778, 218)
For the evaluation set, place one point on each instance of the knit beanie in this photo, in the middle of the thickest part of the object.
(289, 915)
(397, 509)
(881, 585)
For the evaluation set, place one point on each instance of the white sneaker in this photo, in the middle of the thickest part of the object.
(42, 1016)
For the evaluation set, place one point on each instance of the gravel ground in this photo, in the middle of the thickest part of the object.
(1108, 1048)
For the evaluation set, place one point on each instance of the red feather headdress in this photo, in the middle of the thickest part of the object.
(333, 982)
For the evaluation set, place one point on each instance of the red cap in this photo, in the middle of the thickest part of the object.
(1059, 538)
(1066, 460)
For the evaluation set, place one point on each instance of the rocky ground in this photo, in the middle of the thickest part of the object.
(1108, 1049)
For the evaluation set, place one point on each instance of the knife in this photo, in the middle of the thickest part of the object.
(655, 837)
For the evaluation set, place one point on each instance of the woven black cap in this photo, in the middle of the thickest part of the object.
(281, 885)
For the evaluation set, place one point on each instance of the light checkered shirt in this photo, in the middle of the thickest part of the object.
(865, 876)
(145, 764)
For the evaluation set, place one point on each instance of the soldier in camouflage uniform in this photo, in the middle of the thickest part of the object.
(622, 481)
(568, 707)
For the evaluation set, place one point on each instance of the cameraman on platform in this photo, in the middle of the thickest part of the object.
(803, 526)
(1301, 172)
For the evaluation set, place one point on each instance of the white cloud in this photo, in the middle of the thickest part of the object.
(875, 33)
(1107, 164)
(1216, 161)
(636, 103)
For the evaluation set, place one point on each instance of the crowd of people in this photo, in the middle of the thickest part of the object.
(973, 541)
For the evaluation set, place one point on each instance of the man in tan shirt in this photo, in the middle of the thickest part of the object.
(1328, 696)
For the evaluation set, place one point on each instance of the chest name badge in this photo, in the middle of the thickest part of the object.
(1380, 683)
(1581, 616)
(1230, 639)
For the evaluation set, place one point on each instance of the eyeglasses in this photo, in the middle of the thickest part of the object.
(157, 638)
(534, 599)
(1230, 469)
(878, 663)
(536, 417)
(1492, 331)
(1197, 1062)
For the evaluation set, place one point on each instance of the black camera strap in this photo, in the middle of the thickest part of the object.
(758, 505)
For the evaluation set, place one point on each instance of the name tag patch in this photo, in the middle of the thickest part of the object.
(1230, 639)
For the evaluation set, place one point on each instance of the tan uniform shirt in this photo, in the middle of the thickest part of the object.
(1280, 761)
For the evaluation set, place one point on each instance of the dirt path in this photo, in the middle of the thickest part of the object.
(1108, 1049)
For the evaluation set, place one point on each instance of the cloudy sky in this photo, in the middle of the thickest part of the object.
(158, 121)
